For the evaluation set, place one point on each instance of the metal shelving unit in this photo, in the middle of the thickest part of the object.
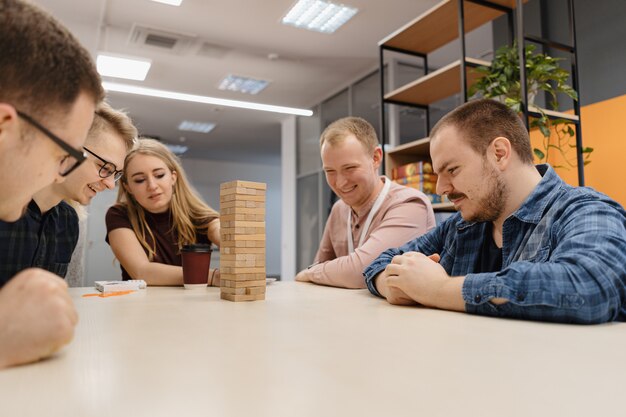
(445, 22)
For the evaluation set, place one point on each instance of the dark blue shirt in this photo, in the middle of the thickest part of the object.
(38, 240)
(563, 257)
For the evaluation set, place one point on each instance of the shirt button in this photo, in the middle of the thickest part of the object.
(357, 226)
(478, 298)
(521, 297)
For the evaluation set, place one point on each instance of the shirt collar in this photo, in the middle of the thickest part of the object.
(533, 207)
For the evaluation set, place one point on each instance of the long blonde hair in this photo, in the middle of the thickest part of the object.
(189, 212)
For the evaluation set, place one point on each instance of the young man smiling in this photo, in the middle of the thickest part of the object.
(524, 244)
(45, 237)
(373, 212)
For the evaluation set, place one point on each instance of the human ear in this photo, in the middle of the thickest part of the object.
(501, 150)
(8, 121)
(377, 157)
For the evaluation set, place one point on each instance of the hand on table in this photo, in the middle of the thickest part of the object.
(303, 276)
(394, 293)
(37, 317)
(423, 280)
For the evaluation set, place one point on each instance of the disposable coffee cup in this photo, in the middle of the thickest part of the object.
(196, 264)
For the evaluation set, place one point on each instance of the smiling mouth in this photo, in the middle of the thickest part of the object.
(155, 196)
(348, 191)
(92, 189)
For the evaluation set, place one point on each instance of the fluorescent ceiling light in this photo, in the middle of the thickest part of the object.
(318, 15)
(151, 92)
(170, 2)
(123, 67)
(200, 127)
(242, 84)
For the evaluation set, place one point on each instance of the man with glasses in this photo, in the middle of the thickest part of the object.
(46, 236)
(49, 88)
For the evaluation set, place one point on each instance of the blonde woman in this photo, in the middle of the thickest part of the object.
(156, 214)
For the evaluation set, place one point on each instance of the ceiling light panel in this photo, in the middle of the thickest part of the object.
(118, 66)
(201, 127)
(242, 84)
(173, 95)
(170, 2)
(318, 15)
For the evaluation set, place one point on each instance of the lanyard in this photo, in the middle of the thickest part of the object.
(368, 221)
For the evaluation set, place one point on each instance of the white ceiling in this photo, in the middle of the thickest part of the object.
(310, 65)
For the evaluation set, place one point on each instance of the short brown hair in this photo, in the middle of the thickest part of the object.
(338, 130)
(109, 119)
(481, 121)
(43, 68)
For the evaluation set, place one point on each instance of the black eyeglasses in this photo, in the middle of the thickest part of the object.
(108, 168)
(71, 161)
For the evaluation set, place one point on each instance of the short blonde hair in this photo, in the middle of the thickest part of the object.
(107, 118)
(338, 130)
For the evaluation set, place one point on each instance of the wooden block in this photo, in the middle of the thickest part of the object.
(234, 203)
(240, 223)
(239, 190)
(241, 270)
(242, 243)
(242, 210)
(227, 250)
(258, 236)
(242, 284)
(242, 263)
(259, 198)
(241, 277)
(225, 231)
(241, 217)
(244, 297)
(231, 290)
(254, 290)
(246, 184)
(242, 257)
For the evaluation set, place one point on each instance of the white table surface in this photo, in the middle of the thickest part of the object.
(315, 351)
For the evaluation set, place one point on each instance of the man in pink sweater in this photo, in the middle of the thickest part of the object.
(373, 213)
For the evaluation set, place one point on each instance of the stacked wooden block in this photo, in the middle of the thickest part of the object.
(242, 247)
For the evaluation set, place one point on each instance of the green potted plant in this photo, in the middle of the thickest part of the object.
(501, 81)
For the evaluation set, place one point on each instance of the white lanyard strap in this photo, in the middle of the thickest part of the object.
(370, 216)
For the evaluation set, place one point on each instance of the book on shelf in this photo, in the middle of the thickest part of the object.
(412, 169)
(427, 187)
(417, 178)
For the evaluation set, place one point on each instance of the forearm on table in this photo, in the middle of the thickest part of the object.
(340, 272)
(158, 274)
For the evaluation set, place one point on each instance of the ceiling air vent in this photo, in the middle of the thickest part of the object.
(163, 40)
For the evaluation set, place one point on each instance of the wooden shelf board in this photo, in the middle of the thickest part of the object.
(437, 85)
(419, 145)
(439, 25)
(556, 114)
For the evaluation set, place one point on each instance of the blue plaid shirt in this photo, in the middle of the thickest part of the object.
(563, 257)
(38, 240)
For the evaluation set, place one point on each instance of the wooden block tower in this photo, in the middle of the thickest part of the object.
(242, 247)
